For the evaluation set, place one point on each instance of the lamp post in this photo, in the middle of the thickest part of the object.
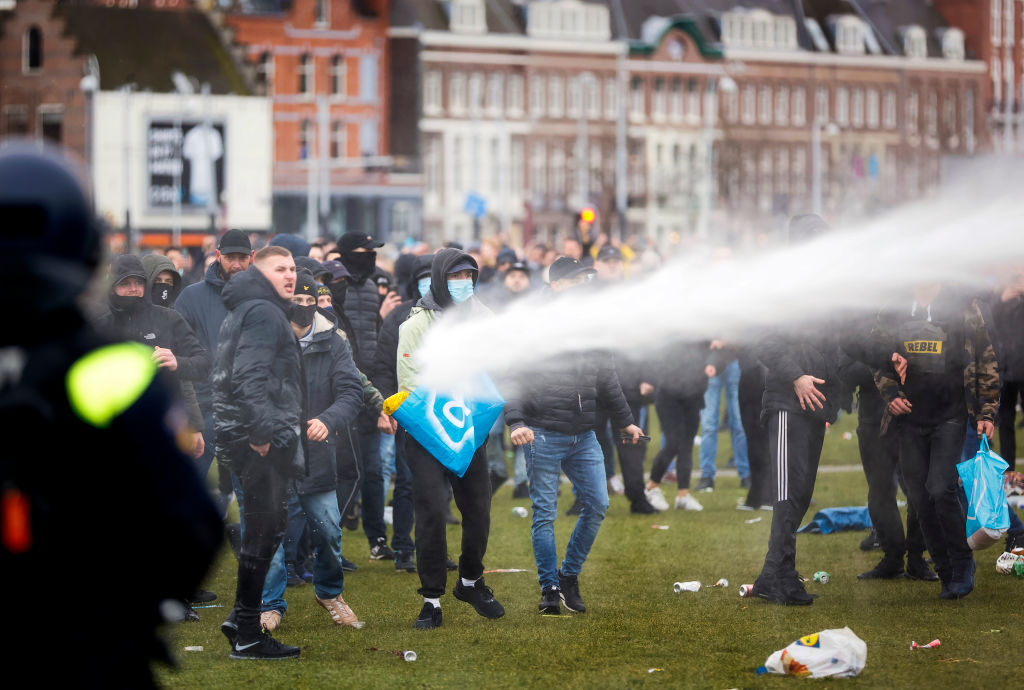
(714, 84)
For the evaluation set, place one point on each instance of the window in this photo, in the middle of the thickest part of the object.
(432, 92)
(33, 49)
(842, 106)
(305, 139)
(932, 113)
(538, 169)
(749, 106)
(467, 17)
(516, 168)
(997, 80)
(850, 35)
(575, 98)
(732, 106)
(889, 110)
(320, 12)
(997, 22)
(368, 138)
(368, 78)
(949, 114)
(265, 71)
(558, 172)
(799, 171)
(458, 167)
(658, 102)
(306, 74)
(457, 94)
(1008, 22)
(821, 113)
(537, 96)
(872, 106)
(496, 94)
(432, 168)
(857, 116)
(636, 98)
(496, 182)
(676, 100)
(515, 95)
(953, 44)
(476, 93)
(913, 112)
(782, 106)
(15, 120)
(799, 106)
(556, 94)
(915, 42)
(764, 107)
(339, 76)
(693, 100)
(51, 123)
(611, 98)
(339, 140)
(782, 170)
(591, 96)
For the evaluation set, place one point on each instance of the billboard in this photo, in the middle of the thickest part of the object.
(185, 161)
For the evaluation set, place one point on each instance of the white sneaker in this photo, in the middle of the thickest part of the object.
(656, 498)
(688, 502)
(616, 485)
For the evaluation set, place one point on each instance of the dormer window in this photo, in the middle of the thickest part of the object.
(952, 44)
(849, 34)
(568, 19)
(743, 28)
(467, 17)
(915, 42)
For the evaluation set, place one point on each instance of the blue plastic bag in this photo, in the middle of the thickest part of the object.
(451, 428)
(829, 520)
(988, 517)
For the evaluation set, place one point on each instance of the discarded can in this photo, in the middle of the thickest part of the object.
(847, 436)
(196, 648)
(409, 655)
(746, 591)
(931, 645)
(659, 526)
(722, 582)
(520, 511)
(822, 577)
(691, 586)
(751, 521)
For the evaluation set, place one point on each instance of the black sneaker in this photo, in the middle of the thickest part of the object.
(450, 564)
(190, 614)
(885, 570)
(293, 577)
(404, 561)
(705, 484)
(381, 551)
(792, 594)
(871, 542)
(642, 508)
(202, 596)
(351, 520)
(481, 598)
(550, 601)
(229, 628)
(745, 483)
(522, 490)
(348, 566)
(264, 647)
(575, 508)
(429, 618)
(917, 569)
(570, 592)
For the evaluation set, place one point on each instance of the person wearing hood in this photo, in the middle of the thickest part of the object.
(334, 396)
(552, 412)
(385, 376)
(453, 276)
(132, 316)
(258, 401)
(163, 282)
(202, 307)
(361, 304)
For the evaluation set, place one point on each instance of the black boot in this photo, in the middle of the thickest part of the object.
(889, 568)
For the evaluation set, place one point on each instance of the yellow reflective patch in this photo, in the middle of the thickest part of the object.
(808, 640)
(923, 347)
(106, 382)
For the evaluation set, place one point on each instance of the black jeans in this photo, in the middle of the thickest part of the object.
(401, 499)
(680, 419)
(928, 459)
(794, 445)
(430, 499)
(264, 519)
(606, 439)
(1006, 417)
(880, 457)
(757, 443)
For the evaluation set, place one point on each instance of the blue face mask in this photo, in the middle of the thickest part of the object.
(460, 290)
(424, 286)
(329, 308)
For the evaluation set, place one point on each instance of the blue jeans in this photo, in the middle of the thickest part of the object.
(729, 379)
(324, 520)
(387, 462)
(580, 457)
(520, 466)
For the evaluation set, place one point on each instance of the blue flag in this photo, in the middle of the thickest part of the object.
(451, 428)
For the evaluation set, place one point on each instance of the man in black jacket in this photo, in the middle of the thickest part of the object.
(551, 412)
(1008, 319)
(361, 304)
(257, 406)
(334, 395)
(796, 411)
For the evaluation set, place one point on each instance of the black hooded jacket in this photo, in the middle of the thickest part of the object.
(385, 377)
(788, 356)
(258, 387)
(204, 310)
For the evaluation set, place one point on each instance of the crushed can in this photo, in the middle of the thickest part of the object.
(691, 586)
(746, 591)
(409, 655)
(520, 511)
(822, 577)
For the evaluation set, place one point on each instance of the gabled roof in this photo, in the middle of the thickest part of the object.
(891, 18)
(145, 47)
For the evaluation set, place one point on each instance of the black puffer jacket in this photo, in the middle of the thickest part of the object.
(362, 308)
(787, 357)
(334, 395)
(680, 369)
(562, 395)
(1008, 318)
(257, 374)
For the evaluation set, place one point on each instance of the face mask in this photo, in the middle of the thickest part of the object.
(424, 286)
(301, 315)
(125, 303)
(338, 291)
(329, 308)
(160, 295)
(360, 264)
(460, 290)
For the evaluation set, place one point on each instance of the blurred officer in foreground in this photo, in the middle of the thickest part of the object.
(92, 445)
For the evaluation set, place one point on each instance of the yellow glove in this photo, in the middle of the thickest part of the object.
(394, 402)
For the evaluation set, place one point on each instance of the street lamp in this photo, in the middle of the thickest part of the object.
(831, 129)
(727, 85)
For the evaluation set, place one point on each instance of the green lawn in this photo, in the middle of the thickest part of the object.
(712, 638)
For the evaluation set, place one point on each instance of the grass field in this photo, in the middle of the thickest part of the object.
(709, 639)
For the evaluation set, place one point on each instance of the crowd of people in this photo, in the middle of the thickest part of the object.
(283, 355)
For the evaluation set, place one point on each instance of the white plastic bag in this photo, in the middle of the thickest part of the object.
(838, 653)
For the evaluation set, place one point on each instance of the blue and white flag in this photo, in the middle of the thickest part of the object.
(451, 428)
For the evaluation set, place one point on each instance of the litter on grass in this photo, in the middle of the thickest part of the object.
(505, 570)
(691, 586)
(722, 582)
(659, 526)
(838, 653)
(406, 654)
(751, 521)
(520, 511)
(194, 648)
(654, 670)
(931, 645)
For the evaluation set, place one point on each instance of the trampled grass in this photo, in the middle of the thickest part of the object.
(709, 639)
